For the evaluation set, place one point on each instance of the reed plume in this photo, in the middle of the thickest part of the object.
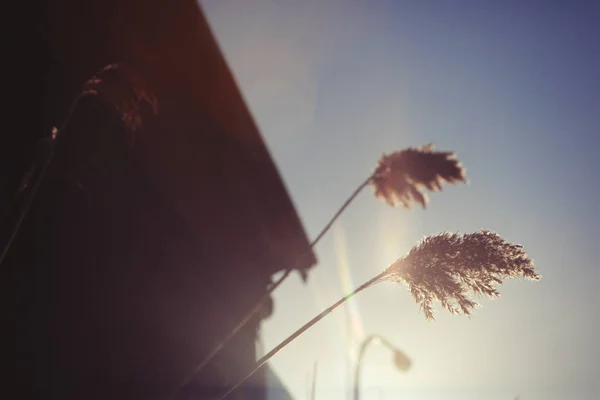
(400, 177)
(116, 84)
(125, 90)
(447, 267)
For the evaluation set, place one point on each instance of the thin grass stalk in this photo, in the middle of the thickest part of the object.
(270, 289)
(445, 267)
(341, 210)
(358, 366)
(45, 163)
(304, 328)
(40, 166)
(313, 392)
(399, 178)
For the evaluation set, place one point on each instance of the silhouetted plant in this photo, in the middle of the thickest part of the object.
(399, 178)
(447, 267)
(125, 90)
(401, 360)
(119, 86)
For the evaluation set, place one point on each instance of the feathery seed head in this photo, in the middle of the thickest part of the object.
(125, 90)
(400, 176)
(448, 267)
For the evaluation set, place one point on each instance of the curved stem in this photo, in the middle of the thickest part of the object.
(341, 210)
(257, 306)
(361, 354)
(368, 340)
(303, 329)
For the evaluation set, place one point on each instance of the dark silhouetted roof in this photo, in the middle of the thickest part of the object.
(137, 255)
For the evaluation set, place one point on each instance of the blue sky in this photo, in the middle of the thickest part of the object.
(513, 87)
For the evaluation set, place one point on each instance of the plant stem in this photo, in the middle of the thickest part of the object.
(361, 355)
(341, 210)
(313, 392)
(33, 181)
(304, 328)
(248, 316)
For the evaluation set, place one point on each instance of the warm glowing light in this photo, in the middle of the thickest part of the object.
(355, 330)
